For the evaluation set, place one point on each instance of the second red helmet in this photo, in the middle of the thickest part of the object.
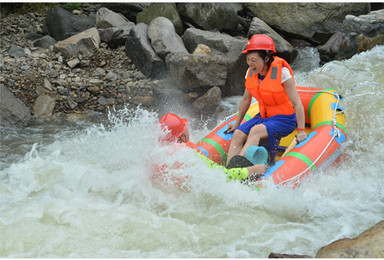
(175, 125)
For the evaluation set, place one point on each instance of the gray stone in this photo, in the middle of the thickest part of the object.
(102, 101)
(129, 10)
(84, 43)
(112, 76)
(196, 72)
(99, 72)
(16, 51)
(45, 42)
(210, 16)
(44, 106)
(73, 62)
(208, 103)
(164, 38)
(315, 21)
(227, 47)
(13, 112)
(47, 84)
(71, 103)
(51, 73)
(106, 18)
(167, 10)
(116, 36)
(138, 48)
(62, 24)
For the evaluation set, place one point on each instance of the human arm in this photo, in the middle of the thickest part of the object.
(244, 106)
(293, 96)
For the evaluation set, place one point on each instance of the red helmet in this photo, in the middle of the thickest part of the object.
(260, 42)
(175, 125)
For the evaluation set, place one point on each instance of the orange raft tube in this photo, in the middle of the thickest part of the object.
(325, 127)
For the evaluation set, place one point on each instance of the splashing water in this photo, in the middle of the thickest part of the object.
(89, 191)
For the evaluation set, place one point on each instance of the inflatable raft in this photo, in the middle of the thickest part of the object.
(325, 127)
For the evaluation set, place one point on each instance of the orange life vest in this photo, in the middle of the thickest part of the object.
(270, 93)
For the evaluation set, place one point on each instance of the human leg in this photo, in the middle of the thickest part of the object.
(257, 132)
(237, 143)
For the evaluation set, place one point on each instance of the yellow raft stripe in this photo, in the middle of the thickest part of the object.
(313, 99)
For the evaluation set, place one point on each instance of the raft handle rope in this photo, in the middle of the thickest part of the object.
(336, 132)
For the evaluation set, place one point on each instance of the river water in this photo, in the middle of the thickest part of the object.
(87, 191)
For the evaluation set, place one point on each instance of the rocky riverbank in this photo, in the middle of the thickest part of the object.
(62, 65)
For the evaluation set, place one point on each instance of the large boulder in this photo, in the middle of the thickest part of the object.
(208, 103)
(129, 10)
(284, 49)
(13, 112)
(62, 24)
(226, 47)
(360, 33)
(44, 105)
(116, 36)
(197, 72)
(164, 38)
(369, 244)
(167, 10)
(106, 18)
(210, 16)
(139, 49)
(314, 21)
(84, 43)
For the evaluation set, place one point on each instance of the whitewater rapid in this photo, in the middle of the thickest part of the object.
(88, 191)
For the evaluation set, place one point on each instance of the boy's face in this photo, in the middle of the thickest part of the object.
(184, 137)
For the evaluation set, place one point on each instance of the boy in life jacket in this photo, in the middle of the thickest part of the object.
(270, 81)
(178, 132)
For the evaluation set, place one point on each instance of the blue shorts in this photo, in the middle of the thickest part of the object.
(277, 127)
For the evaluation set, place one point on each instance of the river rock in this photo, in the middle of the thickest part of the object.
(210, 16)
(202, 49)
(164, 38)
(371, 24)
(284, 49)
(129, 10)
(227, 47)
(369, 244)
(315, 21)
(44, 106)
(365, 43)
(197, 73)
(84, 43)
(167, 10)
(360, 34)
(208, 103)
(116, 36)
(73, 62)
(13, 112)
(62, 24)
(44, 42)
(106, 18)
(138, 48)
(16, 51)
(276, 255)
